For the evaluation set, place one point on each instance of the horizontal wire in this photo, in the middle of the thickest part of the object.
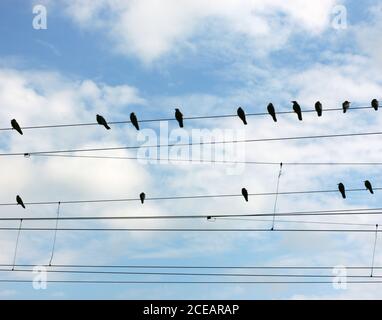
(202, 161)
(188, 229)
(185, 282)
(193, 143)
(187, 197)
(191, 274)
(235, 217)
(186, 267)
(173, 119)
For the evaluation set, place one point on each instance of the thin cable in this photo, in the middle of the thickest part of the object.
(185, 282)
(195, 143)
(204, 161)
(187, 197)
(190, 230)
(334, 212)
(277, 193)
(375, 245)
(287, 275)
(173, 119)
(55, 233)
(17, 244)
(299, 221)
(190, 267)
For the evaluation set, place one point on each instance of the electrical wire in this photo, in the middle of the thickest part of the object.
(173, 119)
(339, 135)
(187, 197)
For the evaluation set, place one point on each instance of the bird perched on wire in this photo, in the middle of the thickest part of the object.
(318, 107)
(271, 111)
(297, 109)
(369, 186)
(241, 114)
(375, 104)
(341, 188)
(179, 117)
(134, 120)
(142, 196)
(101, 121)
(16, 126)
(345, 106)
(20, 201)
(244, 192)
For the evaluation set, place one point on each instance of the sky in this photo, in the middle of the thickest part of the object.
(114, 57)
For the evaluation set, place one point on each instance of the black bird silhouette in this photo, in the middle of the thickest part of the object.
(134, 120)
(143, 197)
(345, 106)
(318, 107)
(244, 192)
(20, 201)
(375, 104)
(341, 188)
(241, 114)
(101, 120)
(297, 109)
(272, 112)
(16, 126)
(369, 186)
(179, 117)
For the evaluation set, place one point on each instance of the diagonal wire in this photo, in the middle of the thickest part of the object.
(375, 245)
(17, 244)
(55, 233)
(276, 197)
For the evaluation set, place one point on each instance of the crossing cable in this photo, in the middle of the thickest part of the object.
(173, 119)
(55, 233)
(277, 193)
(185, 144)
(17, 244)
(375, 245)
(202, 161)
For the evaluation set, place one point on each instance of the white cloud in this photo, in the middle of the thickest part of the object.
(151, 29)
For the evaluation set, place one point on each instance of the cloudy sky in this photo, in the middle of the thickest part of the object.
(114, 57)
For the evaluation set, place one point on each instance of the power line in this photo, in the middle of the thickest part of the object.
(187, 197)
(172, 119)
(188, 229)
(202, 161)
(286, 267)
(227, 217)
(185, 282)
(277, 275)
(195, 143)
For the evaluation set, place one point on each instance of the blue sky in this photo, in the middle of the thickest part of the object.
(150, 56)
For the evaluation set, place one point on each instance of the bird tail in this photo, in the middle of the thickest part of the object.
(107, 126)
(274, 118)
(181, 123)
(245, 121)
(300, 117)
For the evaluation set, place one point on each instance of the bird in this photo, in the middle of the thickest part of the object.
(345, 106)
(179, 117)
(375, 104)
(101, 120)
(341, 188)
(20, 201)
(297, 109)
(142, 196)
(244, 192)
(241, 114)
(318, 106)
(134, 120)
(16, 126)
(369, 186)
(272, 112)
